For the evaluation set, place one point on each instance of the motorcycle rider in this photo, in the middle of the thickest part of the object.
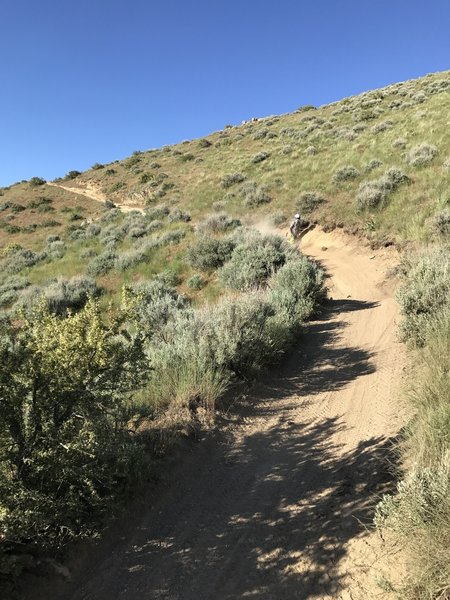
(296, 226)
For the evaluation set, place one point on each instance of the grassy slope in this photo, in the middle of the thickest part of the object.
(189, 176)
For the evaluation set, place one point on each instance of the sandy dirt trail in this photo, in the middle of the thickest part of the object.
(93, 192)
(273, 506)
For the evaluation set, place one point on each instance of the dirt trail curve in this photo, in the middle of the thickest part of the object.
(93, 192)
(273, 506)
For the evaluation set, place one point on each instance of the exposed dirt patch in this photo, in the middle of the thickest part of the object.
(276, 503)
(90, 190)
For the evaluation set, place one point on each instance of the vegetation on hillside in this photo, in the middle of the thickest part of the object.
(160, 308)
(420, 511)
(88, 396)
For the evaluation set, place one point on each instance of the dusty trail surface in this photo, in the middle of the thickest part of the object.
(273, 506)
(93, 192)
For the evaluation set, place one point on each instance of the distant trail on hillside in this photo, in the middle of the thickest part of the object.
(274, 505)
(95, 193)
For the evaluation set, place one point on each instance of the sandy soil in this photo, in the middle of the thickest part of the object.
(93, 192)
(275, 505)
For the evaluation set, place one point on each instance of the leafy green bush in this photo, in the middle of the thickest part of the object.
(21, 259)
(10, 288)
(64, 448)
(177, 214)
(97, 166)
(39, 202)
(210, 253)
(72, 175)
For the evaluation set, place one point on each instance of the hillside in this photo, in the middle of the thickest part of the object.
(331, 163)
(140, 298)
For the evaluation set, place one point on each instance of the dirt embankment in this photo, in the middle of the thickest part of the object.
(274, 505)
(95, 193)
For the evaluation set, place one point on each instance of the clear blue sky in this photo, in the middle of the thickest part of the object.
(87, 81)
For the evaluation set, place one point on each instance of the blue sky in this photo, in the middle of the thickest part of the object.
(90, 81)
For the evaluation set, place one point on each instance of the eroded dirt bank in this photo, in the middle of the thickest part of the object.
(273, 506)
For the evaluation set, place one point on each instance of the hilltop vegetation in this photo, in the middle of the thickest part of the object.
(120, 330)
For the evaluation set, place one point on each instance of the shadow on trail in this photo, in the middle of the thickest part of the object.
(276, 527)
(262, 515)
(268, 517)
(318, 364)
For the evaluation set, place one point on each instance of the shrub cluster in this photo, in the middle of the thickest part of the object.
(345, 173)
(217, 223)
(309, 201)
(373, 193)
(210, 253)
(425, 291)
(254, 260)
(232, 178)
(254, 194)
(421, 155)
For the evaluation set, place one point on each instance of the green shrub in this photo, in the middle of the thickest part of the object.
(97, 167)
(146, 177)
(70, 294)
(196, 282)
(152, 304)
(424, 293)
(21, 259)
(373, 193)
(296, 290)
(37, 181)
(260, 157)
(39, 202)
(210, 253)
(373, 164)
(254, 194)
(399, 143)
(441, 222)
(278, 218)
(254, 261)
(382, 126)
(178, 215)
(217, 223)
(101, 264)
(345, 173)
(422, 154)
(10, 289)
(72, 175)
(64, 447)
(309, 201)
(232, 178)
